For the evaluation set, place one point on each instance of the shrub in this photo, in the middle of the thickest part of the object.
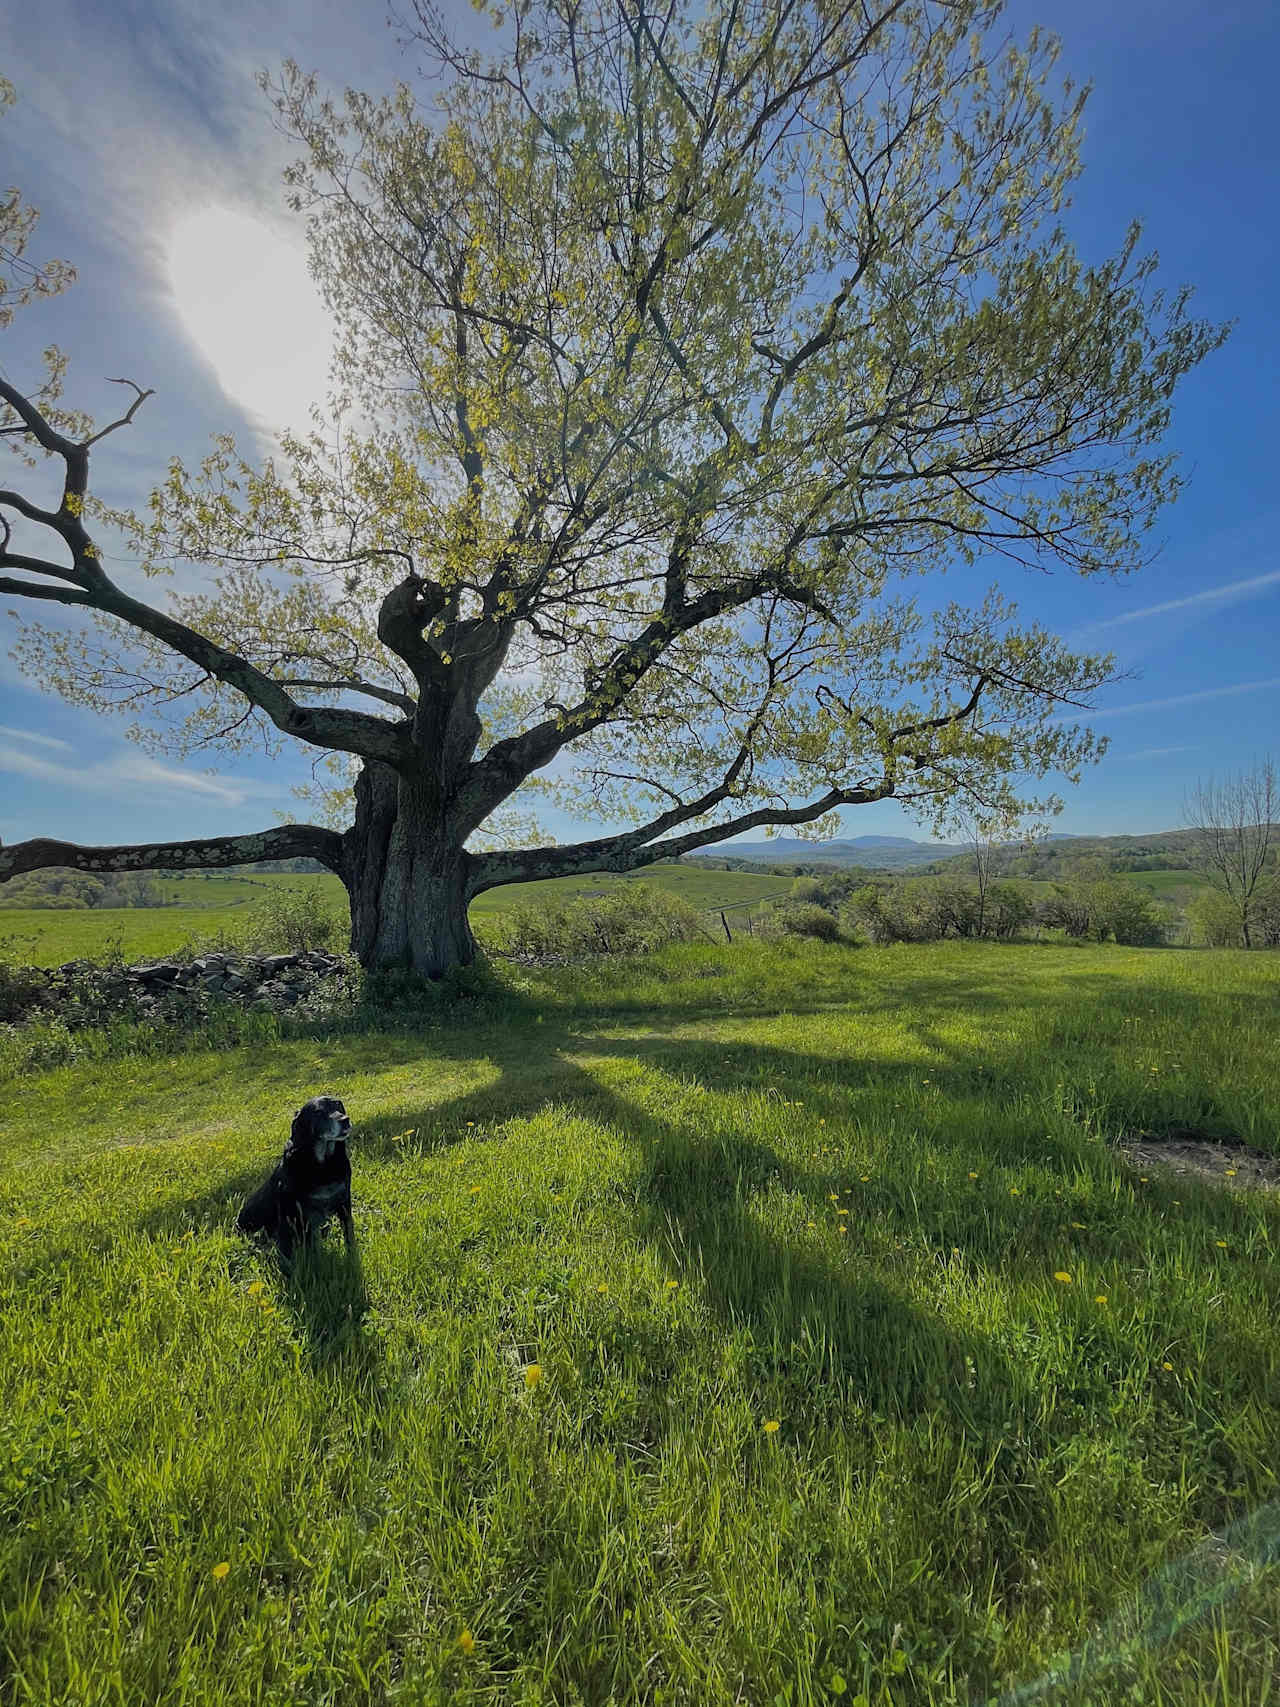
(807, 918)
(1104, 909)
(1008, 911)
(293, 921)
(1214, 919)
(21, 989)
(635, 918)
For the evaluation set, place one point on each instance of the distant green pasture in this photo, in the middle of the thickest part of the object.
(215, 903)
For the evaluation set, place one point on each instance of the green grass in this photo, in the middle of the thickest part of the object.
(212, 904)
(631, 1177)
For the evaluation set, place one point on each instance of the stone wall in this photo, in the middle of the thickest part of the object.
(85, 992)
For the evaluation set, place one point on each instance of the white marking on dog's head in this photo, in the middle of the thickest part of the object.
(322, 1122)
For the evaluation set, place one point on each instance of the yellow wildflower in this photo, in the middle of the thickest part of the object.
(533, 1374)
(1062, 1275)
(772, 1427)
(467, 1642)
(220, 1571)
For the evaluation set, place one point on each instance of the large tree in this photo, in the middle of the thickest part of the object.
(676, 344)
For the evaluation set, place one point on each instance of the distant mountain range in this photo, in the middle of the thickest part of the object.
(877, 851)
(1049, 856)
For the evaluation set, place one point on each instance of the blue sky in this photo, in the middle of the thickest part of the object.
(133, 116)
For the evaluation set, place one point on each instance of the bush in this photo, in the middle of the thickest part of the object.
(807, 918)
(21, 989)
(1008, 911)
(292, 921)
(1104, 909)
(633, 919)
(1214, 919)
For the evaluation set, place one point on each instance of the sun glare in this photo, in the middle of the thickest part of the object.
(247, 302)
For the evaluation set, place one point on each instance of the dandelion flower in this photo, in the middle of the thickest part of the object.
(220, 1571)
(1230, 1171)
(1101, 1298)
(972, 1175)
(1014, 1192)
(1166, 1366)
(843, 1228)
(602, 1287)
(864, 1178)
(672, 1284)
(1221, 1244)
(475, 1190)
(533, 1374)
(467, 1642)
(772, 1427)
(256, 1287)
(1062, 1275)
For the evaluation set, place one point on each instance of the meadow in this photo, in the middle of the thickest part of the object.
(773, 1324)
(203, 906)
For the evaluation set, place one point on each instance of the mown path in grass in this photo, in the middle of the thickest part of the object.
(611, 1226)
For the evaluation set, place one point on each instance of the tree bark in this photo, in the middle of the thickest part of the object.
(407, 878)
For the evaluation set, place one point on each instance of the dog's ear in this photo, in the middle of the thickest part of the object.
(300, 1131)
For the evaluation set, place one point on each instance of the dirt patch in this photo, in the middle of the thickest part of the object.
(1182, 1151)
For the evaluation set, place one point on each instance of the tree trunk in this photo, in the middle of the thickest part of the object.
(406, 879)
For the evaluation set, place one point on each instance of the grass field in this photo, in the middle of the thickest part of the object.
(758, 1325)
(212, 904)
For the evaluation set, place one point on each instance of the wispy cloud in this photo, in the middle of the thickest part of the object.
(1210, 596)
(1152, 753)
(7, 732)
(1104, 712)
(128, 771)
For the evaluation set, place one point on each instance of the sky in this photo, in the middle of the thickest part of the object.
(141, 137)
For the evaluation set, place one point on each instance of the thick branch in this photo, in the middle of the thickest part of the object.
(629, 851)
(287, 841)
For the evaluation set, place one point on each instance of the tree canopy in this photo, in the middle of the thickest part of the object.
(679, 349)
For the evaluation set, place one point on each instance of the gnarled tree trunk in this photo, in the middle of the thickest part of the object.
(406, 877)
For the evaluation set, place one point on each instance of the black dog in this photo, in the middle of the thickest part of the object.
(312, 1182)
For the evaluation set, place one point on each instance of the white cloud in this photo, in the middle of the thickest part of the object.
(129, 771)
(1102, 713)
(1151, 753)
(13, 734)
(1211, 595)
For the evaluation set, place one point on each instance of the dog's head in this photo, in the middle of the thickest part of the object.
(320, 1126)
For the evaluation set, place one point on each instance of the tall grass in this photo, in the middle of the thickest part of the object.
(615, 1220)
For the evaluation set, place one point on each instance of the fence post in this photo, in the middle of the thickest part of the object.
(727, 931)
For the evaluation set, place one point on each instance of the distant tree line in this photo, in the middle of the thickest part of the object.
(65, 890)
(1090, 907)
